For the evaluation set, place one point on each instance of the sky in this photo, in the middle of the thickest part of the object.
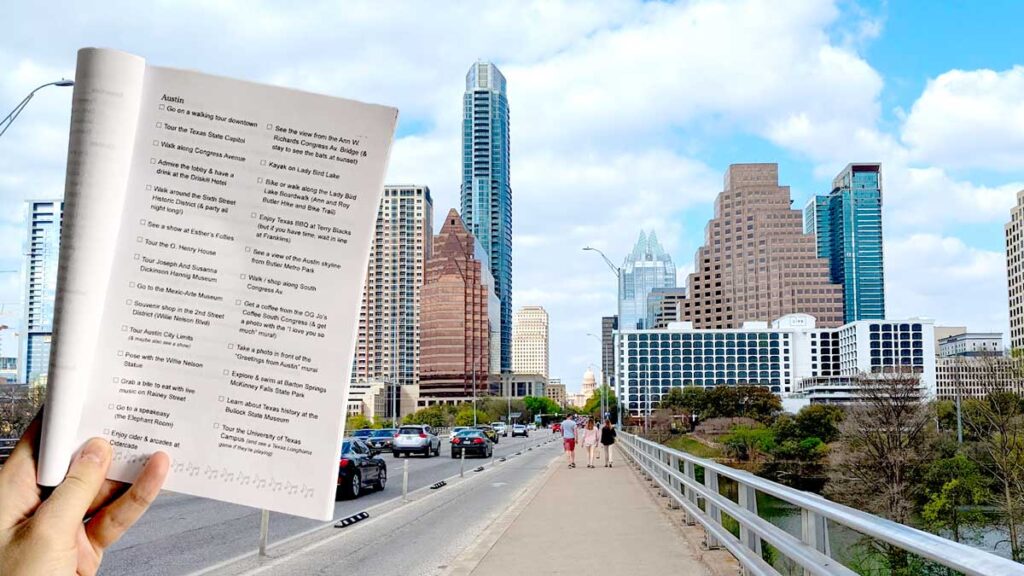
(624, 116)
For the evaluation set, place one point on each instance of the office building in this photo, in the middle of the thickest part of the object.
(847, 226)
(530, 341)
(486, 190)
(42, 253)
(519, 385)
(609, 324)
(943, 332)
(792, 356)
(459, 314)
(972, 344)
(646, 268)
(976, 376)
(663, 306)
(756, 264)
(556, 391)
(388, 345)
(1015, 271)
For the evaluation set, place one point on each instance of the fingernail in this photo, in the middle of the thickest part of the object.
(95, 450)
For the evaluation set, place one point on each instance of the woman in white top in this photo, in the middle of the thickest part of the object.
(590, 437)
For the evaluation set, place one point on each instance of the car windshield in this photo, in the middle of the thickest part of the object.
(463, 433)
(410, 430)
(384, 433)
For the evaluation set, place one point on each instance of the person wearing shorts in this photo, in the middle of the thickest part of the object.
(569, 440)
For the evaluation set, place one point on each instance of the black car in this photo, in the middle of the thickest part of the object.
(363, 434)
(359, 468)
(382, 439)
(474, 442)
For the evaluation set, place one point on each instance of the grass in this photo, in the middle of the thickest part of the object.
(698, 449)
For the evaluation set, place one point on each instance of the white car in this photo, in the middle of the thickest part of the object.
(520, 430)
(415, 439)
(456, 430)
(500, 428)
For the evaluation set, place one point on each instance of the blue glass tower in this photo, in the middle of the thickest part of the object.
(848, 226)
(42, 252)
(646, 268)
(486, 192)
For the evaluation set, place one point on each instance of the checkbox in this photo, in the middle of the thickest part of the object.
(124, 327)
(227, 373)
(231, 346)
(270, 126)
(253, 215)
(110, 406)
(159, 124)
(115, 380)
(129, 302)
(106, 431)
(120, 353)
(138, 238)
(238, 302)
(248, 249)
(216, 426)
(131, 284)
(136, 256)
(149, 186)
(242, 276)
(152, 160)
(263, 162)
(220, 398)
(161, 106)
(142, 221)
(259, 180)
(156, 142)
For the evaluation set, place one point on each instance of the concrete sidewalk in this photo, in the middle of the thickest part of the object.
(585, 521)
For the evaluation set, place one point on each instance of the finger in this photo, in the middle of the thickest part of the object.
(110, 522)
(110, 490)
(19, 493)
(67, 506)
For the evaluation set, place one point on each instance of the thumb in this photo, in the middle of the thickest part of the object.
(70, 501)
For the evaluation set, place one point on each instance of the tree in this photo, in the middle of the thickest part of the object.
(542, 405)
(885, 444)
(820, 421)
(356, 422)
(749, 443)
(433, 416)
(593, 405)
(757, 402)
(19, 404)
(674, 400)
(952, 485)
(464, 417)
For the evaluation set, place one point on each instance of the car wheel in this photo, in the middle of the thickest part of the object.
(354, 487)
(382, 479)
(395, 454)
(437, 451)
(454, 454)
(427, 451)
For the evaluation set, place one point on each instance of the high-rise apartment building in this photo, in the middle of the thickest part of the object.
(756, 264)
(663, 305)
(486, 191)
(388, 347)
(530, 341)
(646, 268)
(847, 225)
(459, 313)
(609, 324)
(42, 253)
(1015, 271)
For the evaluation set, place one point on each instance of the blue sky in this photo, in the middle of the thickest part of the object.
(625, 115)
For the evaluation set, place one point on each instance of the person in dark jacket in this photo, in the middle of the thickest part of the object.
(607, 439)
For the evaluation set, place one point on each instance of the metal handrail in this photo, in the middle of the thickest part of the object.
(674, 472)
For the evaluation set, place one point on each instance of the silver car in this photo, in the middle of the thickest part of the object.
(415, 439)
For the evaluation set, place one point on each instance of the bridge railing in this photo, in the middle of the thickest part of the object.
(675, 472)
(6, 447)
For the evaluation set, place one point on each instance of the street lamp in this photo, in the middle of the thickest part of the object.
(10, 118)
(601, 390)
(618, 301)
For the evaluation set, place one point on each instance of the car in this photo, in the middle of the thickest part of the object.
(455, 431)
(359, 468)
(556, 428)
(519, 430)
(363, 434)
(415, 439)
(500, 428)
(531, 427)
(474, 442)
(488, 431)
(382, 439)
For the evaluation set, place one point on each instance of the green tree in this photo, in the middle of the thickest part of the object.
(674, 400)
(433, 416)
(465, 416)
(820, 421)
(542, 405)
(952, 486)
(593, 405)
(749, 443)
(757, 402)
(356, 422)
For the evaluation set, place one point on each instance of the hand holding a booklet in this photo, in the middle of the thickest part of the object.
(50, 536)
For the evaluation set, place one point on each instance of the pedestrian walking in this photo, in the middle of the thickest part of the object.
(569, 440)
(607, 439)
(590, 437)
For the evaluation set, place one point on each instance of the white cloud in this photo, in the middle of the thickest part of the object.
(969, 119)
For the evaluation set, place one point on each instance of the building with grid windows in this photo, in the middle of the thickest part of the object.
(791, 356)
(530, 341)
(847, 226)
(976, 376)
(42, 254)
(972, 344)
(388, 344)
(1015, 271)
(646, 268)
(609, 324)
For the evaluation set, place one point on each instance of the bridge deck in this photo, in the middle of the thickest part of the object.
(591, 521)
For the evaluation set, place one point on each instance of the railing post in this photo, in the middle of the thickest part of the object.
(748, 500)
(711, 482)
(814, 532)
(691, 474)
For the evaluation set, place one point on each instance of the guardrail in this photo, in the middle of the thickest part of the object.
(675, 473)
(6, 447)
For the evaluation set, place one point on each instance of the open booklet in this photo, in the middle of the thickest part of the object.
(214, 249)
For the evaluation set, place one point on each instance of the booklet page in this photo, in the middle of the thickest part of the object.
(231, 315)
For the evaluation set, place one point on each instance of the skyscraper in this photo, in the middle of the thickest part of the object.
(756, 264)
(847, 224)
(1015, 271)
(42, 253)
(388, 347)
(647, 267)
(459, 313)
(530, 341)
(486, 191)
(609, 324)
